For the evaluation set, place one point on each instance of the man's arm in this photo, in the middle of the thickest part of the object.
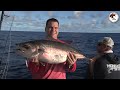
(91, 66)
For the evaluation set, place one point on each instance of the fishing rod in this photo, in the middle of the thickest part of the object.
(1, 19)
(8, 57)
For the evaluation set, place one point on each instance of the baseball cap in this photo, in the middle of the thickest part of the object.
(107, 41)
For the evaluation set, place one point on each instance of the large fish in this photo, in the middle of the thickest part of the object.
(52, 52)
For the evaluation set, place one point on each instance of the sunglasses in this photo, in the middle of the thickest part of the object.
(99, 44)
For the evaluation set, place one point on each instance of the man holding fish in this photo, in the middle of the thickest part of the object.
(50, 58)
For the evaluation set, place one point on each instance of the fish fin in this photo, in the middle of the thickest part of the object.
(80, 56)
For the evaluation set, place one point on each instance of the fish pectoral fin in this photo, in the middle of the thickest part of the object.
(80, 56)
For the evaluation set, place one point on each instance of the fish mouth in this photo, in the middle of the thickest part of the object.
(19, 50)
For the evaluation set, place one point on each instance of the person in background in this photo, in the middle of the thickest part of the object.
(106, 65)
(52, 71)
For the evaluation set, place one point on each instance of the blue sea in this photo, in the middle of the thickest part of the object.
(12, 66)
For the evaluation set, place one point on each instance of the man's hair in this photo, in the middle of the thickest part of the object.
(52, 20)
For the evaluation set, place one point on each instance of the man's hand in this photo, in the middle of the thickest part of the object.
(71, 59)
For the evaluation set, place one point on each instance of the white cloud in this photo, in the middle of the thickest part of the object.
(8, 12)
(50, 13)
(22, 23)
(77, 13)
(27, 15)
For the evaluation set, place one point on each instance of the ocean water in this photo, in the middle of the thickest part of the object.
(12, 66)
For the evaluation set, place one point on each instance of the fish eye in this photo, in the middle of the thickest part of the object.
(26, 46)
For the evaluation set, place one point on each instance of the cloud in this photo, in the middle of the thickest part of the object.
(27, 12)
(75, 21)
(105, 23)
(23, 23)
(73, 27)
(8, 12)
(77, 13)
(71, 17)
(50, 13)
(27, 15)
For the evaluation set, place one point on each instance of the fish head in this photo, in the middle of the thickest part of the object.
(27, 49)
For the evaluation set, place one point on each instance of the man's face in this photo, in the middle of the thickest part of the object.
(52, 29)
(101, 48)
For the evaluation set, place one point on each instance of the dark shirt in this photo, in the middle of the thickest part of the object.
(107, 67)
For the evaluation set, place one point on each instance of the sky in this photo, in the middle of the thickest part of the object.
(70, 21)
